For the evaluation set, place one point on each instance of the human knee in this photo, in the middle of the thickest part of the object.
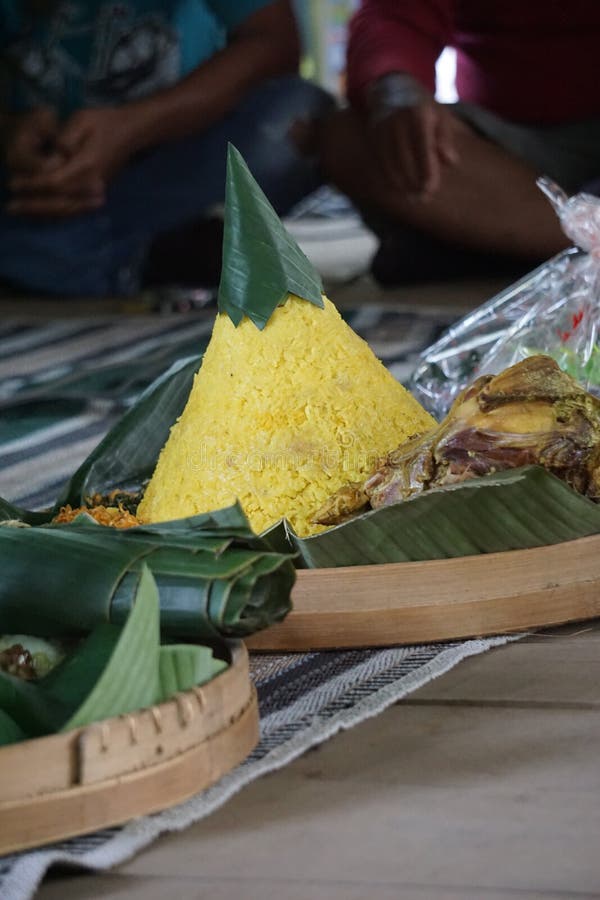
(282, 152)
(288, 109)
(339, 140)
(301, 99)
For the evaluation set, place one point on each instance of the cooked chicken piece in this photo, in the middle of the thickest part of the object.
(532, 413)
(345, 503)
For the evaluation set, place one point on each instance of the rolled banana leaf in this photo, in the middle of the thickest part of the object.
(215, 578)
(114, 670)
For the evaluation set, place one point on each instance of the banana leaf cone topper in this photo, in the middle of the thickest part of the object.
(289, 404)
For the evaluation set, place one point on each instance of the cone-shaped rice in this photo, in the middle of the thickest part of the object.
(280, 419)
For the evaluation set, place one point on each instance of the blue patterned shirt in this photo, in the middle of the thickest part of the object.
(95, 52)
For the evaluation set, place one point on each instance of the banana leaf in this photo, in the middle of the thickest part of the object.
(11, 513)
(130, 678)
(183, 666)
(116, 383)
(129, 451)
(127, 454)
(262, 263)
(214, 576)
(10, 733)
(114, 670)
(511, 510)
(28, 708)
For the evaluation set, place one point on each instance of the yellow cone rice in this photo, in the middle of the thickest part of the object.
(280, 419)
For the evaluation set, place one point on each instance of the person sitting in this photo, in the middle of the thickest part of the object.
(116, 124)
(451, 188)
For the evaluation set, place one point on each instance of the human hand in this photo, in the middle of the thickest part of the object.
(30, 144)
(412, 135)
(93, 145)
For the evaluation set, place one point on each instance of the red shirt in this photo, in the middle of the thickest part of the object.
(526, 60)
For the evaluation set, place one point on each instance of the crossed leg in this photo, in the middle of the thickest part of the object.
(488, 201)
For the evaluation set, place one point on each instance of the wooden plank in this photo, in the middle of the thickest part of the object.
(417, 602)
(560, 670)
(485, 800)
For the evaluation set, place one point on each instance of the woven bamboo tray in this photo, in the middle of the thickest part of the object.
(419, 602)
(90, 778)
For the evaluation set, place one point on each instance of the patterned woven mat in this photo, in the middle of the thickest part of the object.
(62, 385)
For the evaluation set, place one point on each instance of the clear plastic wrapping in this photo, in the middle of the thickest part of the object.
(553, 310)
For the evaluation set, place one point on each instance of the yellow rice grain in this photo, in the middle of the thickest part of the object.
(280, 419)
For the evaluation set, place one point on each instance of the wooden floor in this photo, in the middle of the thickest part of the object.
(485, 784)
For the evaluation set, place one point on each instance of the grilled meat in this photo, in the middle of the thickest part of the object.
(531, 413)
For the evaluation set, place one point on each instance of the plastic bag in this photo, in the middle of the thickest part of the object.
(553, 310)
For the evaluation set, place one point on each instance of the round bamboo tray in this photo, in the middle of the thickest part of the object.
(104, 774)
(438, 600)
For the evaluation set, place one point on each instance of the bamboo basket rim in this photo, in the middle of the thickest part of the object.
(106, 773)
(420, 602)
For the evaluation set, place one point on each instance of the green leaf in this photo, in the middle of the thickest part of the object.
(71, 682)
(33, 712)
(128, 453)
(130, 678)
(262, 263)
(90, 576)
(512, 510)
(183, 666)
(229, 521)
(253, 591)
(71, 592)
(10, 733)
(113, 671)
(237, 606)
(11, 513)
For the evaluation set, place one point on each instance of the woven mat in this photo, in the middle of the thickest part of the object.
(62, 385)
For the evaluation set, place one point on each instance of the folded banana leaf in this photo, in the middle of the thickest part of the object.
(214, 576)
(263, 263)
(114, 670)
